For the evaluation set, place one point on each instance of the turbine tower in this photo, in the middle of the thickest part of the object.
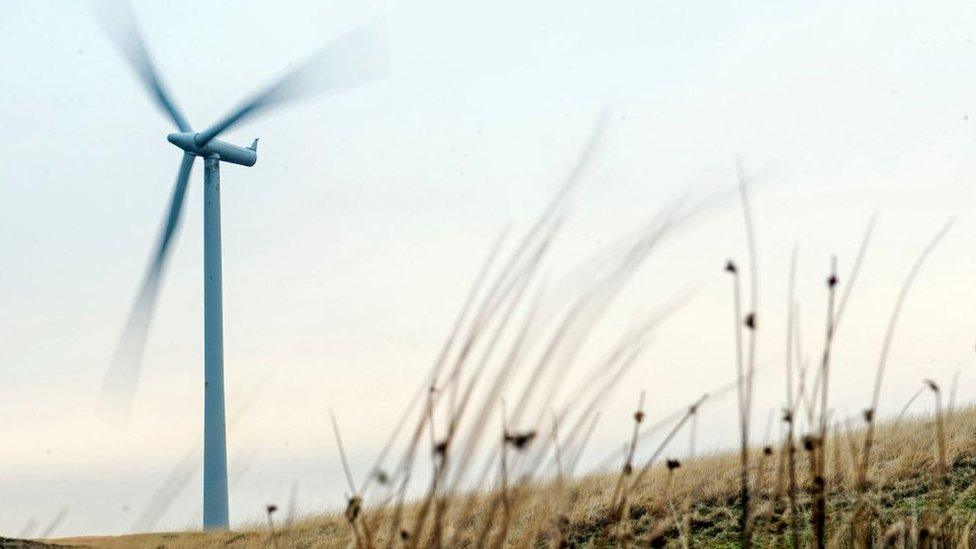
(356, 58)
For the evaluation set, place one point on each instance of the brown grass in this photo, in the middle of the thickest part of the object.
(906, 490)
(830, 484)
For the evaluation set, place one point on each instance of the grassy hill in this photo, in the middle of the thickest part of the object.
(907, 502)
(861, 484)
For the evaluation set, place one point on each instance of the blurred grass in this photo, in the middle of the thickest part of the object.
(903, 489)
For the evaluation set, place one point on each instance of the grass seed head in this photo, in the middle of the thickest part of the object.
(673, 464)
(809, 441)
(730, 267)
(520, 440)
(353, 508)
(440, 449)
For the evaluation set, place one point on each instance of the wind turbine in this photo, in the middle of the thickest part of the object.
(356, 58)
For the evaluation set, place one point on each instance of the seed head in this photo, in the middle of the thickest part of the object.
(638, 416)
(730, 267)
(869, 415)
(381, 476)
(673, 464)
(751, 321)
(271, 508)
(808, 443)
(768, 451)
(353, 508)
(440, 449)
(932, 385)
(832, 281)
(520, 440)
(787, 416)
(628, 469)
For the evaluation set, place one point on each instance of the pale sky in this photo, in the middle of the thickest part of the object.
(349, 247)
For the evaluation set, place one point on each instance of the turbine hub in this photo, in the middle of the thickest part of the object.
(185, 141)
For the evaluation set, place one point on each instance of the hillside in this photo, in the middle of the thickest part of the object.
(694, 504)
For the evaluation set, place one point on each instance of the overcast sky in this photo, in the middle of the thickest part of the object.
(349, 246)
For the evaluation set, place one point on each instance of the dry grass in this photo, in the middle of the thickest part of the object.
(493, 412)
(905, 491)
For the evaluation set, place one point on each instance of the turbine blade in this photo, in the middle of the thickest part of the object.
(120, 25)
(55, 522)
(118, 388)
(356, 58)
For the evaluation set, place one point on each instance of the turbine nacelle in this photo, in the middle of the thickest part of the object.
(227, 152)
